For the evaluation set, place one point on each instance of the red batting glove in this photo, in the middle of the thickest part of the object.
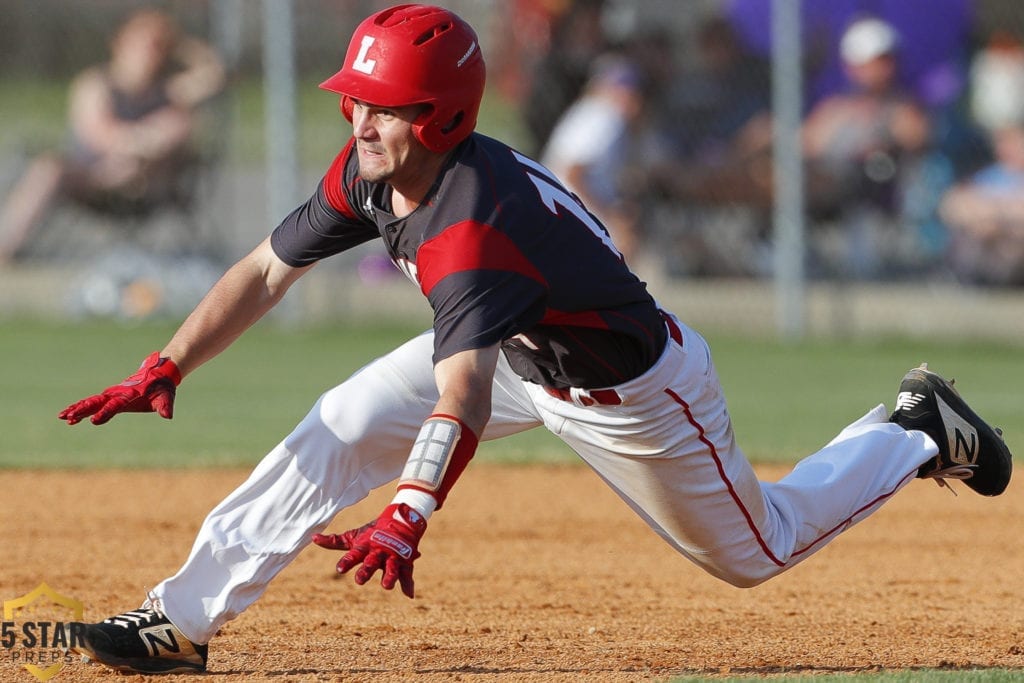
(388, 543)
(150, 389)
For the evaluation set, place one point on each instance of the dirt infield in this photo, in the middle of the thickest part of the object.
(536, 574)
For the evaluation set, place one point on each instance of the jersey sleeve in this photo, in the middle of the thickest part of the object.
(326, 223)
(482, 289)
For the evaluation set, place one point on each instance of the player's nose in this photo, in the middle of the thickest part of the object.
(362, 127)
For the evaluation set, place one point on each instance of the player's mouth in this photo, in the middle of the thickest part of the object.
(366, 151)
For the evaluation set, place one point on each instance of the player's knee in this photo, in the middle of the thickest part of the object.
(351, 415)
(744, 575)
(745, 581)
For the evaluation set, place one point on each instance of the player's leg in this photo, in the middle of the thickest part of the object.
(355, 438)
(670, 453)
(27, 203)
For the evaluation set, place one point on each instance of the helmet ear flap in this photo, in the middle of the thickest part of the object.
(435, 128)
(346, 106)
(422, 128)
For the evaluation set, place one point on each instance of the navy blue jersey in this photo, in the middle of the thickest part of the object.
(504, 254)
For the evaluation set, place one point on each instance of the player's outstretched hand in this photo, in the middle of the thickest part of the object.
(150, 389)
(388, 543)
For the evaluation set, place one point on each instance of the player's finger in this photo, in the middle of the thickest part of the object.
(371, 563)
(389, 577)
(405, 578)
(351, 559)
(70, 415)
(330, 541)
(75, 412)
(163, 403)
(110, 408)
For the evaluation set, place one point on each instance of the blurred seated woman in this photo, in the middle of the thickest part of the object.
(130, 126)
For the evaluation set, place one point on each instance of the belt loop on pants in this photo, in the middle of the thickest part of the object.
(586, 398)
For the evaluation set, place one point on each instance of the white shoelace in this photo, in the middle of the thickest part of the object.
(134, 617)
(960, 472)
(147, 612)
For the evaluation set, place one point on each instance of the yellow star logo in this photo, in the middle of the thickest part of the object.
(36, 602)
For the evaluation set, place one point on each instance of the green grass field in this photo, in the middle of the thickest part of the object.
(786, 400)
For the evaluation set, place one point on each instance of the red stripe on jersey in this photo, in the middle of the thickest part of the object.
(470, 245)
(332, 183)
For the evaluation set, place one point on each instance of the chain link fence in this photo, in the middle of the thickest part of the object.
(878, 213)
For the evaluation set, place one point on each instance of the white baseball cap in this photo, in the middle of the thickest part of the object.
(867, 39)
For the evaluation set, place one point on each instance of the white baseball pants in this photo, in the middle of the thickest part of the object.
(668, 450)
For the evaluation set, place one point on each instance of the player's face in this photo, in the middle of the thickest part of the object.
(387, 149)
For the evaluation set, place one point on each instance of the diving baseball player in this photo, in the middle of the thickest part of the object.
(538, 322)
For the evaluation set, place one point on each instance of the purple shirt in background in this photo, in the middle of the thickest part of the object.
(934, 41)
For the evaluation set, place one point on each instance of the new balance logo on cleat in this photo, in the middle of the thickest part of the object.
(969, 449)
(906, 400)
(963, 438)
(159, 638)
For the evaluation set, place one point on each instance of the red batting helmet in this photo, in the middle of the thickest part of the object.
(416, 54)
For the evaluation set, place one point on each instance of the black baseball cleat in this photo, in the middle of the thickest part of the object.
(142, 641)
(969, 449)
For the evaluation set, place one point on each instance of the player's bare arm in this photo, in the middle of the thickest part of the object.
(465, 381)
(243, 295)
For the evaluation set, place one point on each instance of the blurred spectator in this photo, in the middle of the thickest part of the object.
(590, 146)
(704, 149)
(997, 83)
(862, 133)
(715, 102)
(130, 125)
(577, 39)
(935, 41)
(716, 122)
(861, 144)
(985, 213)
